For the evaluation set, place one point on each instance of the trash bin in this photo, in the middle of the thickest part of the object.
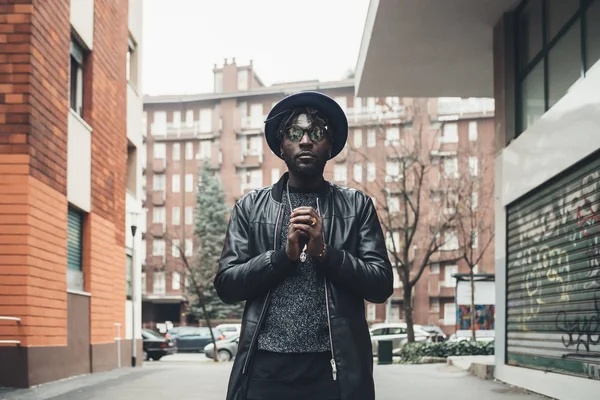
(384, 352)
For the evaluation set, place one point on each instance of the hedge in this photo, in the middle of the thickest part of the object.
(413, 352)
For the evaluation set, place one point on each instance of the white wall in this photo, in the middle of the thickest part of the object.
(82, 19)
(567, 133)
(79, 162)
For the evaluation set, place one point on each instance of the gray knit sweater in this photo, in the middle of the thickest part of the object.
(296, 320)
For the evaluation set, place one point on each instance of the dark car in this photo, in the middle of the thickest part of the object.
(156, 346)
(195, 338)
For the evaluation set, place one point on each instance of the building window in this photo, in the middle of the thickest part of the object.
(393, 204)
(474, 201)
(449, 314)
(175, 280)
(189, 151)
(218, 82)
(204, 152)
(177, 120)
(450, 133)
(358, 138)
(256, 115)
(242, 79)
(75, 279)
(206, 116)
(551, 57)
(189, 183)
(76, 78)
(371, 138)
(474, 239)
(159, 285)
(159, 125)
(358, 172)
(473, 166)
(176, 216)
(132, 64)
(371, 312)
(143, 283)
(340, 173)
(434, 305)
(189, 118)
(393, 241)
(434, 269)
(189, 215)
(160, 151)
(397, 282)
(450, 241)
(176, 151)
(158, 248)
(371, 172)
(189, 247)
(473, 131)
(275, 175)
(392, 171)
(175, 183)
(392, 135)
(159, 182)
(175, 248)
(158, 215)
(451, 167)
(449, 272)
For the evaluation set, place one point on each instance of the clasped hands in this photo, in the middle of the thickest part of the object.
(306, 226)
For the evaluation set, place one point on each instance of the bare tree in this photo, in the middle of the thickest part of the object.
(198, 284)
(416, 230)
(475, 221)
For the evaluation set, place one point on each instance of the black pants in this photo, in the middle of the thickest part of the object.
(292, 376)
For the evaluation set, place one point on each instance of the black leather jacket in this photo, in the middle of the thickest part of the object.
(356, 266)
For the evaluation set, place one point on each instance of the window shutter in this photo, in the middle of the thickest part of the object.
(74, 236)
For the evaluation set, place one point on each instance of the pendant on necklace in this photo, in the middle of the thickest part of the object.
(303, 254)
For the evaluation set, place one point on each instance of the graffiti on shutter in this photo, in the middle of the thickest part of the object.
(553, 277)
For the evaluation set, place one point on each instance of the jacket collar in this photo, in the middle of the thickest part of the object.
(279, 187)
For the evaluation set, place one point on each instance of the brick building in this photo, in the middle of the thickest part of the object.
(225, 129)
(69, 139)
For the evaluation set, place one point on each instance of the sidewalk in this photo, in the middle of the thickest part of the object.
(194, 379)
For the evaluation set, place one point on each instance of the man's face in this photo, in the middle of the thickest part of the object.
(305, 158)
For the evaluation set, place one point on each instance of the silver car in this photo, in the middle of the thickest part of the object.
(397, 333)
(226, 349)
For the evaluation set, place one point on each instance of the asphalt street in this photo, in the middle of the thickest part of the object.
(194, 377)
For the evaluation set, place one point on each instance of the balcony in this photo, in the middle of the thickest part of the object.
(360, 117)
(157, 229)
(441, 289)
(451, 108)
(252, 158)
(159, 165)
(158, 198)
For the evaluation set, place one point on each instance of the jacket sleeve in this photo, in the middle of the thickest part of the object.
(368, 270)
(241, 276)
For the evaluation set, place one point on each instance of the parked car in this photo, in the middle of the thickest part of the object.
(397, 333)
(226, 349)
(230, 330)
(156, 346)
(195, 338)
(436, 333)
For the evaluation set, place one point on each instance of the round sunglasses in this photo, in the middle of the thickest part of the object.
(295, 133)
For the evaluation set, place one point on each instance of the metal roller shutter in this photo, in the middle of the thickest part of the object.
(74, 249)
(553, 277)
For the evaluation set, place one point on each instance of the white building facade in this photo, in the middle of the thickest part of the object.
(539, 60)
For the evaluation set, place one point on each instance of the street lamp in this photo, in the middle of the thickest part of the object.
(133, 294)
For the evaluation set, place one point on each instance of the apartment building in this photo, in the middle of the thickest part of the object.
(225, 129)
(70, 169)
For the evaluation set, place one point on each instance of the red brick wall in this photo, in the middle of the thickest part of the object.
(107, 117)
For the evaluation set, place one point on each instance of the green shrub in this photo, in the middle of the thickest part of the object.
(413, 352)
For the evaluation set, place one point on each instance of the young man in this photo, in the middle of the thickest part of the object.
(304, 254)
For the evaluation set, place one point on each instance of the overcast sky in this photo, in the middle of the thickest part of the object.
(287, 40)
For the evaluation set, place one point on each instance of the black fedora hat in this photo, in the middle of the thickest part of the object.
(337, 121)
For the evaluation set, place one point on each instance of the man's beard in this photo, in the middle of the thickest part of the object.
(305, 170)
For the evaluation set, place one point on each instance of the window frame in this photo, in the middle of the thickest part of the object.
(522, 72)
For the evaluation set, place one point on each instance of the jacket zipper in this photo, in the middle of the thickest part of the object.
(264, 307)
(332, 361)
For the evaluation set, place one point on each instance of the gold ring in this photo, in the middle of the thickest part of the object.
(314, 221)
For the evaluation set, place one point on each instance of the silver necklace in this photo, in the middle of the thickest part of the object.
(303, 254)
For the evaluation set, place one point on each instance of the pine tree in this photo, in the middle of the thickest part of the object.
(210, 229)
